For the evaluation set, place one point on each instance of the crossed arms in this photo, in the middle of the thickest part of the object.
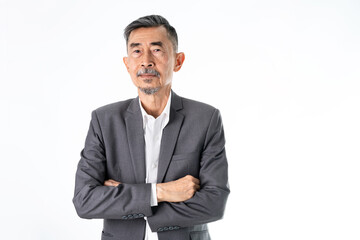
(175, 191)
(183, 202)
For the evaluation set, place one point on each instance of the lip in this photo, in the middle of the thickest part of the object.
(147, 75)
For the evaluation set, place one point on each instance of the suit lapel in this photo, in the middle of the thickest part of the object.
(170, 136)
(135, 135)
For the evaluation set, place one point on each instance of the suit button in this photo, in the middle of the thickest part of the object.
(176, 227)
(130, 216)
(136, 215)
(160, 229)
(124, 217)
(141, 215)
(166, 228)
(171, 228)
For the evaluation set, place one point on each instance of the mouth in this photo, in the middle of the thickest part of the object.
(147, 75)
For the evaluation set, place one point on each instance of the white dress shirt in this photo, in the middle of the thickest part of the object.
(153, 128)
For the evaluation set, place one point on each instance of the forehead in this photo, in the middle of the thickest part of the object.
(148, 35)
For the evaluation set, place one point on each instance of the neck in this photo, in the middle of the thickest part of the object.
(154, 104)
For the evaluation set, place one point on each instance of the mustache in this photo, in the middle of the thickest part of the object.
(147, 71)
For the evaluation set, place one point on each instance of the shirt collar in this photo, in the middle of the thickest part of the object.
(164, 116)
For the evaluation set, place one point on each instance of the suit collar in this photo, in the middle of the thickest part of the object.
(168, 142)
(134, 105)
(135, 136)
(170, 136)
(176, 102)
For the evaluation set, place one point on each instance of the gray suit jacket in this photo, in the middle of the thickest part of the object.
(192, 143)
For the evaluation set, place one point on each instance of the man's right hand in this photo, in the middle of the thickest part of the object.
(177, 191)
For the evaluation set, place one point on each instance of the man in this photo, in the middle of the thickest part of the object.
(153, 167)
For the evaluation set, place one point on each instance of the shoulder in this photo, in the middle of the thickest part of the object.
(198, 113)
(197, 108)
(116, 108)
(200, 117)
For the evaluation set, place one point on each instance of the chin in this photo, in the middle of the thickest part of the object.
(149, 90)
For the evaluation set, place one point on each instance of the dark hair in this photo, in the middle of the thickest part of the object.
(152, 21)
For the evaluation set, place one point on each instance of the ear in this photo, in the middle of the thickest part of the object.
(180, 58)
(125, 60)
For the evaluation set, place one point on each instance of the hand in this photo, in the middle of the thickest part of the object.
(177, 191)
(111, 183)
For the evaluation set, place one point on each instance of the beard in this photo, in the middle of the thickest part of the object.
(149, 91)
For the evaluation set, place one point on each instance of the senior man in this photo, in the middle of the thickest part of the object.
(153, 167)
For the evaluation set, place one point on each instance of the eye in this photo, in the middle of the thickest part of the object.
(136, 51)
(157, 50)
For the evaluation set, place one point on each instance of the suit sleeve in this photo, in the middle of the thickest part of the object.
(208, 204)
(94, 200)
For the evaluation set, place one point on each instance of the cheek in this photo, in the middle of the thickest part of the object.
(132, 64)
(133, 70)
(168, 66)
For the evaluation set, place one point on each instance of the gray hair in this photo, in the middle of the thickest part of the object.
(152, 21)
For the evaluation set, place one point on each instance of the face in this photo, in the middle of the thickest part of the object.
(151, 59)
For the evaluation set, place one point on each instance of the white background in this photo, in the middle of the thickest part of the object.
(284, 74)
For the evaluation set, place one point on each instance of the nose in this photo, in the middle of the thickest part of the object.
(147, 60)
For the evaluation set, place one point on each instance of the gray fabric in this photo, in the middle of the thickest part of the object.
(192, 143)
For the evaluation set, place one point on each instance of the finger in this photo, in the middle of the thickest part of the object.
(197, 187)
(196, 181)
(111, 183)
(108, 183)
(191, 178)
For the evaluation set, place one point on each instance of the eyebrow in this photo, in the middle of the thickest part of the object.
(160, 44)
(133, 45)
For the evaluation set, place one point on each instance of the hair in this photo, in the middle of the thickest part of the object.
(152, 21)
